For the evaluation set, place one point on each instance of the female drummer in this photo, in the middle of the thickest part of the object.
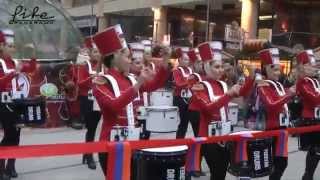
(273, 99)
(182, 93)
(11, 132)
(88, 68)
(308, 89)
(116, 58)
(212, 98)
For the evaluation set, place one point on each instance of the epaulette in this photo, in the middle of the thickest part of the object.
(100, 80)
(262, 84)
(198, 87)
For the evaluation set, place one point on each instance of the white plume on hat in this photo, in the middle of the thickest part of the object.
(9, 35)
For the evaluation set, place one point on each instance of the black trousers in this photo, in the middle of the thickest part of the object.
(217, 158)
(279, 164)
(89, 117)
(311, 143)
(11, 136)
(103, 157)
(185, 116)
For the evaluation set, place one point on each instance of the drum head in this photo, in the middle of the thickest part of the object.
(244, 132)
(161, 108)
(233, 105)
(171, 149)
(23, 84)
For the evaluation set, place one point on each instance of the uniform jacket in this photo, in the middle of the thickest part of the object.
(114, 109)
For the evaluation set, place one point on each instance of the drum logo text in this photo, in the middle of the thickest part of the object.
(256, 158)
(266, 159)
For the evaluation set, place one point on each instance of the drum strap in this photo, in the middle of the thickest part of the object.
(5, 68)
(183, 72)
(133, 81)
(117, 93)
(90, 68)
(281, 92)
(213, 98)
(145, 99)
(315, 84)
(153, 66)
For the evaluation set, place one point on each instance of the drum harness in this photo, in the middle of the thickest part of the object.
(222, 110)
(316, 86)
(283, 118)
(185, 93)
(117, 93)
(6, 97)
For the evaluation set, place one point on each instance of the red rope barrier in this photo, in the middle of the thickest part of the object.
(46, 150)
(28, 151)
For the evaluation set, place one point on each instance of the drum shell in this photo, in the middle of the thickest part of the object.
(32, 111)
(233, 110)
(161, 98)
(159, 165)
(162, 118)
(263, 147)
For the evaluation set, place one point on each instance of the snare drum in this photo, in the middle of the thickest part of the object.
(162, 118)
(233, 110)
(167, 163)
(123, 133)
(260, 157)
(32, 111)
(218, 128)
(161, 98)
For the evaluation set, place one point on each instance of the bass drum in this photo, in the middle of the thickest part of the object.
(167, 163)
(32, 111)
(259, 152)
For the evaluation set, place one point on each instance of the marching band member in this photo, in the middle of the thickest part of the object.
(196, 77)
(308, 89)
(9, 70)
(88, 68)
(116, 90)
(182, 93)
(274, 99)
(212, 97)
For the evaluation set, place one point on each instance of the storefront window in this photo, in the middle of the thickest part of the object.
(292, 23)
(48, 30)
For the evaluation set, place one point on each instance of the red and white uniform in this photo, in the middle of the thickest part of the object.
(273, 96)
(5, 79)
(308, 88)
(180, 76)
(114, 108)
(210, 111)
(274, 104)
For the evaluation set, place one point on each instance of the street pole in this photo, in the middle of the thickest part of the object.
(208, 20)
(92, 19)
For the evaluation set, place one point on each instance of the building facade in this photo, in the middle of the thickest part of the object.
(189, 22)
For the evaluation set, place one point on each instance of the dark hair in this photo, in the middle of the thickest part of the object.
(263, 70)
(107, 60)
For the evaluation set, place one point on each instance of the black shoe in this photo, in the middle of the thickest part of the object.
(10, 168)
(307, 176)
(77, 125)
(11, 172)
(4, 177)
(88, 159)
